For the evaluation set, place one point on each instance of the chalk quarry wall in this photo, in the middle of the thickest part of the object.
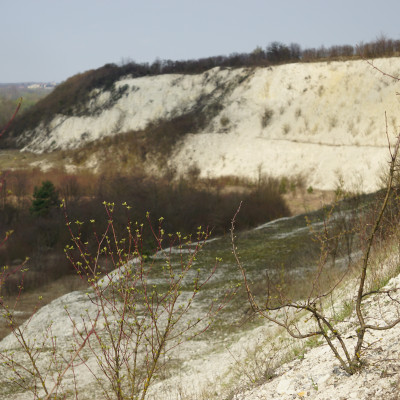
(321, 120)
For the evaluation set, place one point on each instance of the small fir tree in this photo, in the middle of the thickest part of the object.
(44, 199)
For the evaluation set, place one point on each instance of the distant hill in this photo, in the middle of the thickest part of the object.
(265, 112)
(31, 92)
(4, 87)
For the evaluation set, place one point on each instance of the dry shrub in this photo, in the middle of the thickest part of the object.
(185, 203)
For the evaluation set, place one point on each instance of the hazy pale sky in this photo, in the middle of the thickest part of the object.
(51, 40)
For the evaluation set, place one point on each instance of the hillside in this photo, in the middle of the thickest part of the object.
(320, 120)
(233, 360)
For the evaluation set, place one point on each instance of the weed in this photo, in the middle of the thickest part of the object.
(333, 121)
(345, 311)
(286, 129)
(306, 124)
(314, 385)
(257, 366)
(266, 117)
(224, 121)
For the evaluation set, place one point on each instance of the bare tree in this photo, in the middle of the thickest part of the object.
(144, 303)
(278, 308)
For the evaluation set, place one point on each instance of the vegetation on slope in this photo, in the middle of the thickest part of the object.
(39, 225)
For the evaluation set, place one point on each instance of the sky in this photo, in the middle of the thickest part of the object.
(51, 40)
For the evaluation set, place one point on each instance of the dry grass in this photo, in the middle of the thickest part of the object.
(29, 301)
(302, 201)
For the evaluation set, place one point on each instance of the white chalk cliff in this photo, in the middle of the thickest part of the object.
(322, 120)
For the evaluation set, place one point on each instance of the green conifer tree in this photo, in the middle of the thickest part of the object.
(45, 198)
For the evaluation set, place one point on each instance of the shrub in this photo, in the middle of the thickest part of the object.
(134, 312)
